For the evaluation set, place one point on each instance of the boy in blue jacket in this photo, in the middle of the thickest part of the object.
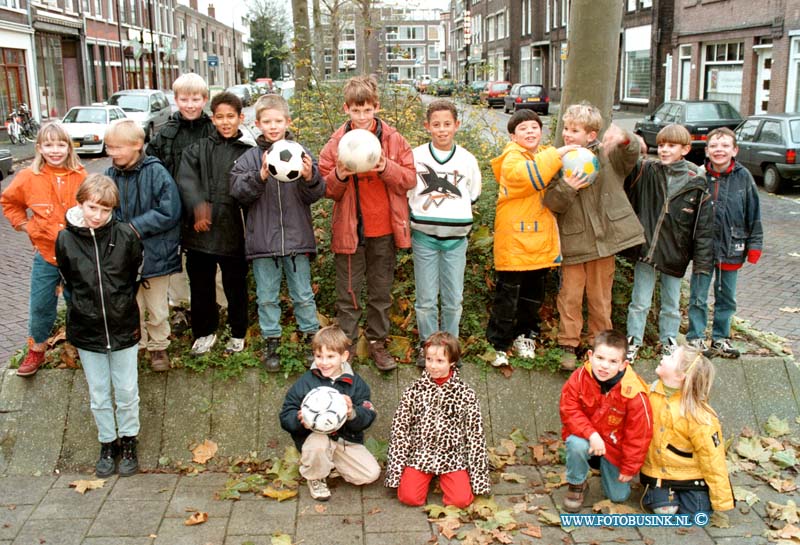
(149, 202)
(279, 235)
(737, 236)
(344, 448)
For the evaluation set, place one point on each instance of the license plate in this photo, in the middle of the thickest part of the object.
(533, 99)
(502, 94)
(76, 144)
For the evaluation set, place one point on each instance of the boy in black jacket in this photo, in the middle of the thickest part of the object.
(344, 448)
(279, 238)
(669, 196)
(738, 236)
(213, 231)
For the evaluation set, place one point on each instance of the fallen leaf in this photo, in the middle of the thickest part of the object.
(551, 519)
(319, 508)
(783, 485)
(777, 427)
(792, 310)
(374, 510)
(745, 495)
(513, 477)
(448, 527)
(720, 520)
(436, 511)
(518, 437)
(531, 530)
(502, 537)
(279, 494)
(280, 539)
(784, 458)
(609, 507)
(538, 452)
(196, 518)
(750, 448)
(81, 486)
(788, 512)
(790, 531)
(203, 452)
(506, 371)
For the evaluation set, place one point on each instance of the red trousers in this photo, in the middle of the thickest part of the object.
(414, 484)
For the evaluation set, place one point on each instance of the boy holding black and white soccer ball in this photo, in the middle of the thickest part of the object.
(342, 449)
(279, 238)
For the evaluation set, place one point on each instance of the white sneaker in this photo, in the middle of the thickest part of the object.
(525, 347)
(319, 489)
(500, 359)
(698, 344)
(234, 345)
(204, 344)
(670, 346)
(633, 350)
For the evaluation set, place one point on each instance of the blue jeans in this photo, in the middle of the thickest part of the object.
(438, 273)
(688, 501)
(117, 369)
(43, 302)
(669, 319)
(578, 470)
(724, 304)
(268, 273)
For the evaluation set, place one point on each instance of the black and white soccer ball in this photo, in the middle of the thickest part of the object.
(285, 160)
(324, 409)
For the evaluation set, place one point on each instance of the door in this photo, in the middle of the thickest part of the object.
(686, 77)
(763, 77)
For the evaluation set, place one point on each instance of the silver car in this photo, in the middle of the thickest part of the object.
(149, 107)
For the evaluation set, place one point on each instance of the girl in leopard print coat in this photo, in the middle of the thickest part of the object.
(438, 430)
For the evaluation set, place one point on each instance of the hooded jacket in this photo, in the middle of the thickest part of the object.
(738, 234)
(348, 383)
(678, 222)
(622, 417)
(399, 176)
(101, 268)
(176, 135)
(149, 201)
(204, 176)
(278, 213)
(685, 453)
(48, 196)
(439, 429)
(525, 231)
(597, 221)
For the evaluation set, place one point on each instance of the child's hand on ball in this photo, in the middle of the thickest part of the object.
(381, 166)
(342, 172)
(307, 169)
(264, 167)
(303, 422)
(577, 181)
(351, 413)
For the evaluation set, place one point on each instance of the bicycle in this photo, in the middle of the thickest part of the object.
(14, 128)
(29, 125)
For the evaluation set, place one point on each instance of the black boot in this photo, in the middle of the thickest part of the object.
(128, 463)
(307, 349)
(107, 464)
(269, 356)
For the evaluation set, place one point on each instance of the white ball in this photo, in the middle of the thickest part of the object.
(285, 160)
(324, 409)
(581, 161)
(359, 150)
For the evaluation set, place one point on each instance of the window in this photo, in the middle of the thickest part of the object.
(631, 5)
(411, 32)
(477, 23)
(501, 25)
(181, 28)
(637, 64)
(132, 19)
(433, 33)
(770, 133)
(110, 12)
(349, 34)
(490, 29)
(347, 55)
(647, 4)
(727, 52)
(14, 4)
(748, 131)
(328, 57)
(564, 12)
(555, 13)
(433, 54)
(547, 15)
(391, 32)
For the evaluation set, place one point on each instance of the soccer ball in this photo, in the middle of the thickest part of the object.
(324, 409)
(579, 161)
(285, 160)
(359, 150)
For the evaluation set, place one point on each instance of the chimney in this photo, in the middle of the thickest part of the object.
(193, 4)
(211, 11)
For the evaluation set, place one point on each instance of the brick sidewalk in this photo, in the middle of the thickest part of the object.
(16, 255)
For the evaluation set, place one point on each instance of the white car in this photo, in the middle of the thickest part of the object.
(87, 126)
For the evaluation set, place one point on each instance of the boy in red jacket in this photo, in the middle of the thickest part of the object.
(606, 421)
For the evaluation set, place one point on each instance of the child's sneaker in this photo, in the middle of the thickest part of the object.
(421, 357)
(234, 345)
(633, 350)
(573, 501)
(107, 465)
(721, 347)
(569, 360)
(33, 360)
(698, 344)
(669, 347)
(500, 358)
(204, 344)
(319, 489)
(525, 347)
(666, 510)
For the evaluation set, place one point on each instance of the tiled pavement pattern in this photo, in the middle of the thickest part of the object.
(149, 509)
(15, 271)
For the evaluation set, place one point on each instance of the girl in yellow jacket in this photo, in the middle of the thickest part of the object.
(685, 471)
(525, 236)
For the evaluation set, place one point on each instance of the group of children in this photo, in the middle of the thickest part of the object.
(202, 188)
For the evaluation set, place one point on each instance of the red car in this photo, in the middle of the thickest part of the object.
(494, 93)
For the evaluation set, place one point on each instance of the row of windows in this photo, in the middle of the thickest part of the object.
(405, 33)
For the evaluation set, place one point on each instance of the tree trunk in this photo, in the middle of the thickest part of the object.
(319, 40)
(366, 55)
(592, 53)
(302, 45)
(337, 33)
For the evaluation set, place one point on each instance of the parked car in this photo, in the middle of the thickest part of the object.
(474, 90)
(495, 92)
(243, 92)
(698, 116)
(173, 106)
(768, 146)
(529, 96)
(86, 126)
(6, 164)
(149, 107)
(442, 87)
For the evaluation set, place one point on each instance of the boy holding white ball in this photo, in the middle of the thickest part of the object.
(595, 222)
(342, 449)
(370, 217)
(279, 238)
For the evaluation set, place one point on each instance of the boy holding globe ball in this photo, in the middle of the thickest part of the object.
(595, 221)
(342, 449)
(370, 218)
